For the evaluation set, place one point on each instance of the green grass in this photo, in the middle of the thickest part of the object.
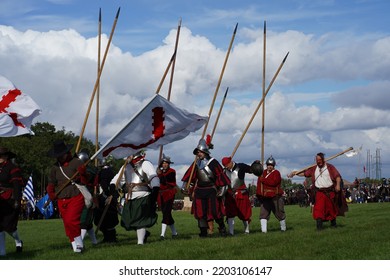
(363, 234)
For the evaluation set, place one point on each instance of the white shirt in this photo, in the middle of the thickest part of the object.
(322, 178)
(130, 176)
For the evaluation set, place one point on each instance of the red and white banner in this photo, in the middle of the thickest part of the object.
(158, 123)
(17, 110)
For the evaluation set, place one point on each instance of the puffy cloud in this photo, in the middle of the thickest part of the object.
(59, 69)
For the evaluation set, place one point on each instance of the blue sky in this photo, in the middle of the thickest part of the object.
(332, 92)
(144, 24)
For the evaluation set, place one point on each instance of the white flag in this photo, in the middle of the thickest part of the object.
(354, 152)
(17, 110)
(28, 192)
(158, 123)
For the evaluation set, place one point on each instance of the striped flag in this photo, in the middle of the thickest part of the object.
(28, 192)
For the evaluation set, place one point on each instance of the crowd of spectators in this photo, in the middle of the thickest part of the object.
(364, 193)
(356, 192)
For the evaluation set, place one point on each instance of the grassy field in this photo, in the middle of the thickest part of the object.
(363, 234)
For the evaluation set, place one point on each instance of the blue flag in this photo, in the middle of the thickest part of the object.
(28, 192)
(47, 211)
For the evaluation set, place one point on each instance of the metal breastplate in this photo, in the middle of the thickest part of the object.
(235, 181)
(205, 176)
(139, 176)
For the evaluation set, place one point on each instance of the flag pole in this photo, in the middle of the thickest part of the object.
(172, 71)
(97, 81)
(98, 90)
(215, 95)
(263, 111)
(258, 106)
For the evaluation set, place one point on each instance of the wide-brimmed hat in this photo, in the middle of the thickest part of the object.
(59, 148)
(5, 151)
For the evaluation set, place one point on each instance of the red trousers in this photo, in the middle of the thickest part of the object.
(239, 206)
(70, 210)
(324, 206)
(206, 205)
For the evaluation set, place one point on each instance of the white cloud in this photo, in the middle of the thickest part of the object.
(58, 69)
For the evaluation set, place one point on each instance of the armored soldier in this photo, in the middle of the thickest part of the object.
(237, 201)
(270, 194)
(142, 186)
(210, 181)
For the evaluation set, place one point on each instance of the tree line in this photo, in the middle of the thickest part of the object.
(31, 151)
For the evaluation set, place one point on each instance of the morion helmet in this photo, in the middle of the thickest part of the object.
(202, 146)
(165, 159)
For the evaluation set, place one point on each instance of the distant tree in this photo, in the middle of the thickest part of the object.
(31, 151)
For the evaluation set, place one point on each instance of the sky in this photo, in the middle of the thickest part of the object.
(330, 94)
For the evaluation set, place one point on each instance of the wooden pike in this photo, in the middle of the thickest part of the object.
(172, 71)
(220, 79)
(219, 113)
(97, 81)
(91, 100)
(174, 61)
(263, 111)
(98, 90)
(327, 159)
(165, 73)
(258, 106)
(215, 95)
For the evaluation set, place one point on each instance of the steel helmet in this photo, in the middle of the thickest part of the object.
(166, 159)
(202, 146)
(105, 161)
(138, 156)
(270, 161)
(83, 155)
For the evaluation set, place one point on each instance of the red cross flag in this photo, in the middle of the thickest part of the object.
(17, 110)
(160, 122)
